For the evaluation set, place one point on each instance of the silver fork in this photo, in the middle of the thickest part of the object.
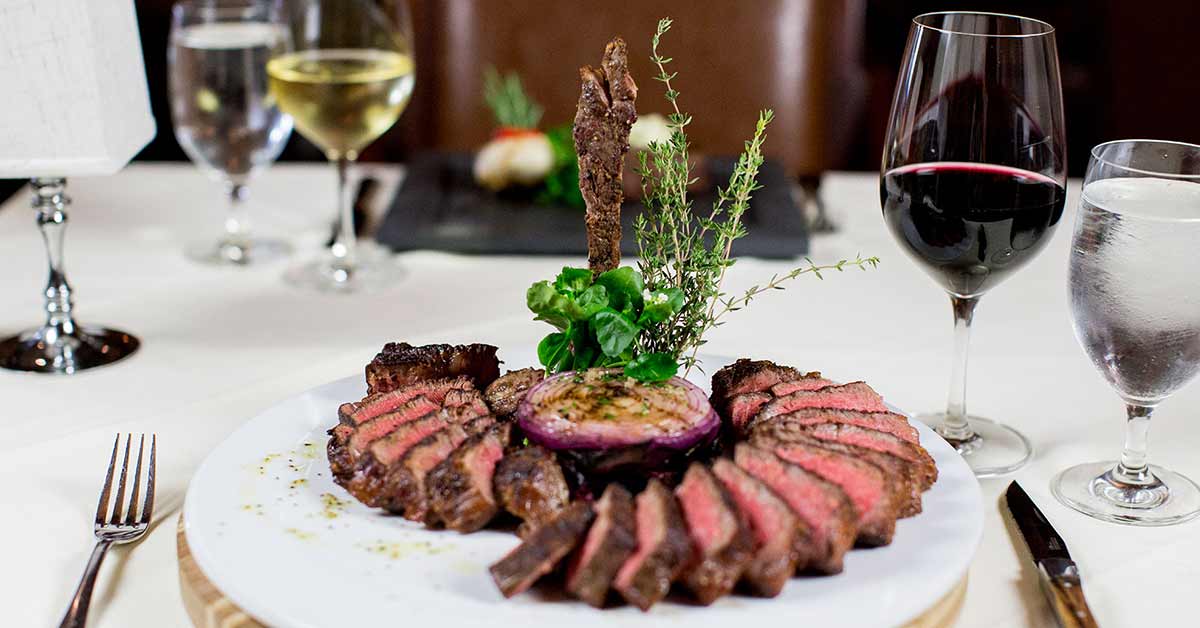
(111, 530)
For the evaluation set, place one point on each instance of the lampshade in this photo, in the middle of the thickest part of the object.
(75, 100)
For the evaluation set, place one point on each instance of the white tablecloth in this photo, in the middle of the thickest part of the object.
(222, 345)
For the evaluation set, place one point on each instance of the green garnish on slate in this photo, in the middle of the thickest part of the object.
(598, 321)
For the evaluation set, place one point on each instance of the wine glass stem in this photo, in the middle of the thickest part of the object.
(1132, 468)
(344, 244)
(955, 427)
(50, 201)
(237, 225)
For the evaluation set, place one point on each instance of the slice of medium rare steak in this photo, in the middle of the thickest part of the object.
(883, 442)
(745, 376)
(400, 364)
(405, 482)
(663, 548)
(384, 424)
(538, 554)
(741, 410)
(808, 381)
(368, 481)
(609, 543)
(460, 487)
(890, 422)
(719, 532)
(529, 484)
(907, 474)
(471, 400)
(852, 396)
(505, 394)
(876, 497)
(371, 406)
(782, 541)
(823, 506)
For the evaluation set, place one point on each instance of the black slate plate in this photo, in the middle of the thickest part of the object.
(439, 207)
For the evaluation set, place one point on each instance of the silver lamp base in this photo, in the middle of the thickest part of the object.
(46, 350)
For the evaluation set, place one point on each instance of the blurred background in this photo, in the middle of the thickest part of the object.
(827, 67)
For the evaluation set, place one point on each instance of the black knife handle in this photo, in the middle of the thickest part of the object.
(1066, 598)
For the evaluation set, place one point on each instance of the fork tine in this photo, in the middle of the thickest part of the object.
(120, 500)
(131, 516)
(148, 507)
(102, 508)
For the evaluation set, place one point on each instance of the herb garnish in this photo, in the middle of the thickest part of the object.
(506, 97)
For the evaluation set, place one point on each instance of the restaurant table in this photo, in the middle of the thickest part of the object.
(221, 345)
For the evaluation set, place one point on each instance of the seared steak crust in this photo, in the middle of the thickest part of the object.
(505, 394)
(460, 487)
(603, 118)
(530, 484)
(542, 550)
(745, 376)
(610, 541)
(400, 364)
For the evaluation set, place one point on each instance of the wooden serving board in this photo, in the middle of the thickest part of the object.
(209, 608)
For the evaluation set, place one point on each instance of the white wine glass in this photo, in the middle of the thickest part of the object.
(1135, 305)
(224, 118)
(345, 75)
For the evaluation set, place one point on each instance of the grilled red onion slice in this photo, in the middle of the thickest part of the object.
(607, 421)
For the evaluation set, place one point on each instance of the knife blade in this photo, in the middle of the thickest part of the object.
(1058, 574)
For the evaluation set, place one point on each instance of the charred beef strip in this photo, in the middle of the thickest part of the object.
(505, 394)
(890, 422)
(719, 532)
(883, 442)
(530, 485)
(823, 506)
(853, 396)
(460, 487)
(782, 541)
(876, 497)
(602, 121)
(341, 463)
(357, 412)
(907, 474)
(609, 543)
(542, 550)
(400, 364)
(663, 549)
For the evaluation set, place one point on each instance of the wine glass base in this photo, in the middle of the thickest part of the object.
(375, 269)
(1090, 489)
(46, 350)
(254, 252)
(992, 449)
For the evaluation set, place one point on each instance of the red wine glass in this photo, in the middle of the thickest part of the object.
(974, 180)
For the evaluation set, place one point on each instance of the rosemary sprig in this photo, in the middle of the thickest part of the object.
(511, 106)
(692, 253)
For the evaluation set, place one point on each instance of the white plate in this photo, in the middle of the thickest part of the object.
(271, 530)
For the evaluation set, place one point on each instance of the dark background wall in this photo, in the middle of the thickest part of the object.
(1128, 71)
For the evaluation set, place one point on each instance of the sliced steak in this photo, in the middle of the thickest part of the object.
(468, 400)
(609, 543)
(368, 481)
(400, 364)
(530, 485)
(663, 549)
(741, 410)
(505, 394)
(890, 422)
(356, 412)
(405, 482)
(808, 381)
(341, 463)
(907, 474)
(823, 506)
(384, 424)
(853, 396)
(460, 487)
(542, 550)
(746, 376)
(720, 534)
(880, 441)
(782, 541)
(875, 496)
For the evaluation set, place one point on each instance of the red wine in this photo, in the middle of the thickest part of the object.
(968, 224)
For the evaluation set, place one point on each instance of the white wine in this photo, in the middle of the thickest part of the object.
(342, 99)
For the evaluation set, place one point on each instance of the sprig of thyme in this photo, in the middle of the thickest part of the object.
(692, 253)
(511, 106)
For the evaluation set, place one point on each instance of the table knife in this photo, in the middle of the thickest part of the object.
(1058, 574)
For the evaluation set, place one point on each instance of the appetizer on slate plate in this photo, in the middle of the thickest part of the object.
(624, 475)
